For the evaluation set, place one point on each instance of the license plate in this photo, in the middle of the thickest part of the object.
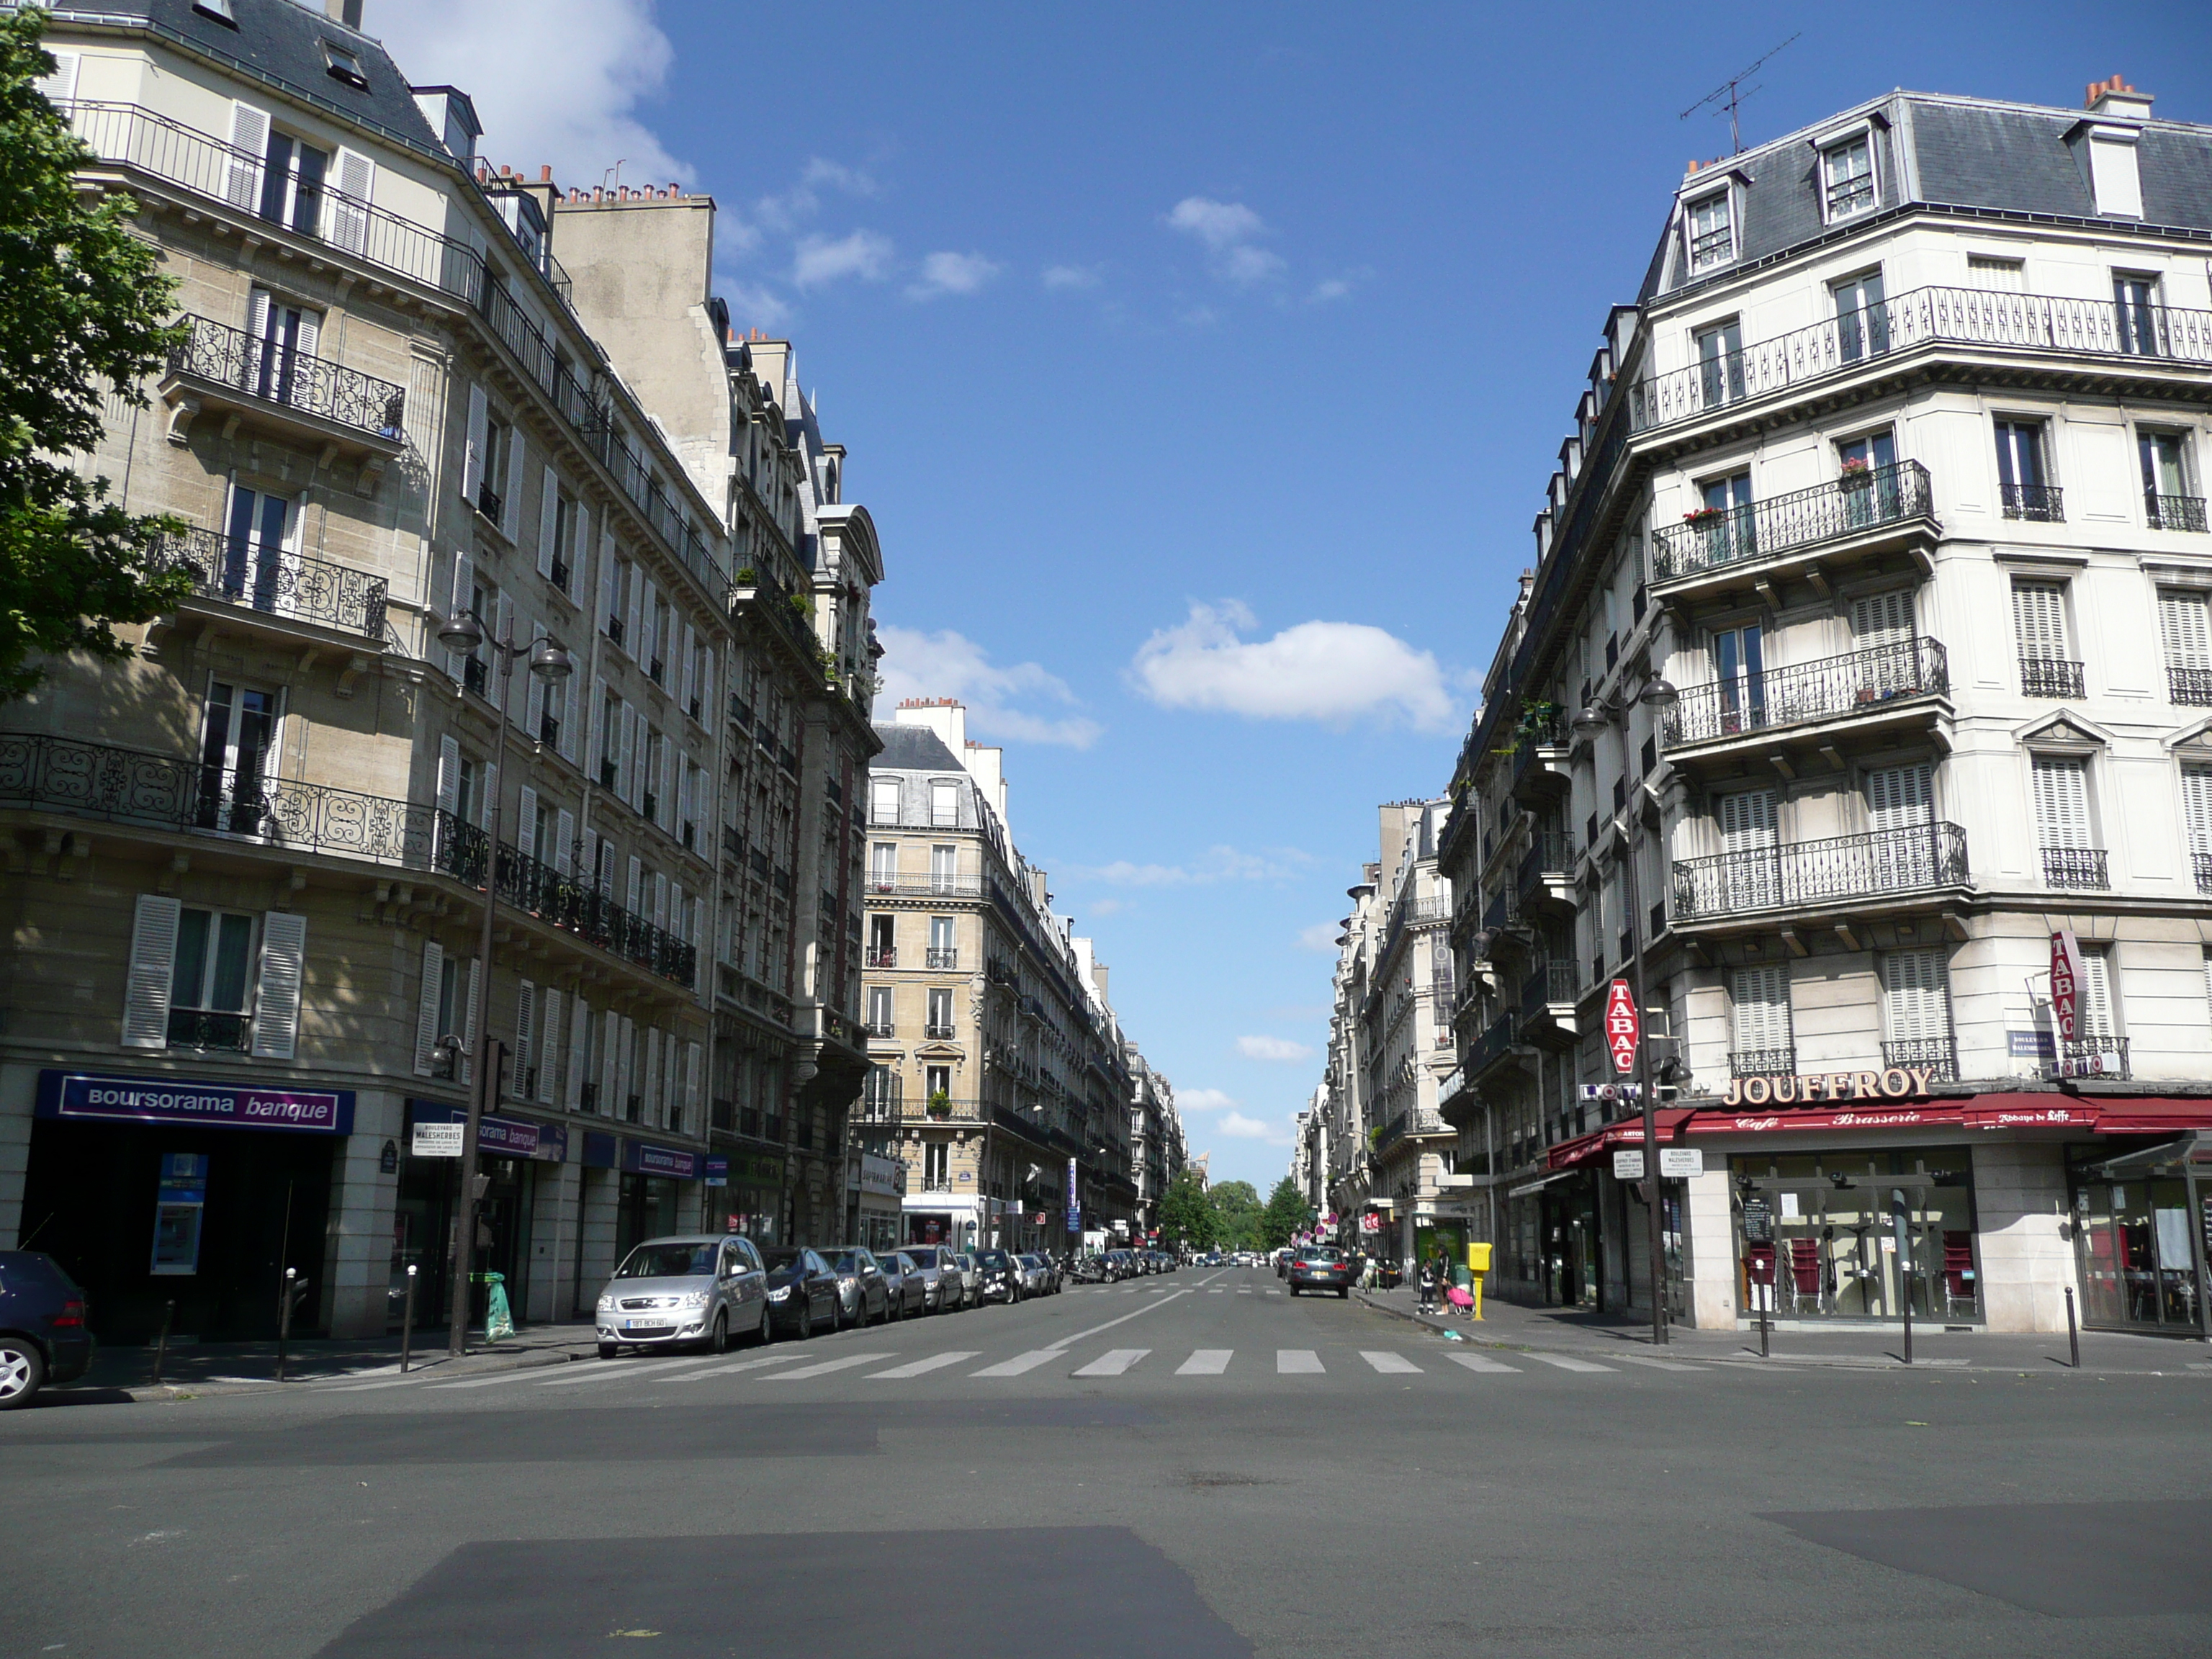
(638, 1325)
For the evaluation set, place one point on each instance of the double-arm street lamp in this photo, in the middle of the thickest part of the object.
(1657, 696)
(466, 636)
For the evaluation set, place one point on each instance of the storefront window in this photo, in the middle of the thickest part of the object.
(2137, 1261)
(1856, 1233)
(647, 1210)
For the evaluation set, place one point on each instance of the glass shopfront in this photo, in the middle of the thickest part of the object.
(646, 1208)
(2142, 1229)
(1853, 1235)
(1574, 1260)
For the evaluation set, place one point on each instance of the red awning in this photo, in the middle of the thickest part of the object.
(1629, 1131)
(2123, 1115)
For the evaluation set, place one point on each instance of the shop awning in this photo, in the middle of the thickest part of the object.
(2135, 1114)
(1529, 1187)
(1571, 1154)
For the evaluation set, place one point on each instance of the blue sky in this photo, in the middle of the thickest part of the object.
(1202, 367)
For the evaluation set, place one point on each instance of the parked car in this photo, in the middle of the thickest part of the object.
(1001, 1276)
(802, 1290)
(1091, 1270)
(864, 1296)
(971, 1278)
(1120, 1265)
(1282, 1264)
(902, 1279)
(1034, 1272)
(1319, 1267)
(940, 1290)
(45, 1333)
(683, 1290)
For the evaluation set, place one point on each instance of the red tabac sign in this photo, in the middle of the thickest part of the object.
(2066, 984)
(1620, 1026)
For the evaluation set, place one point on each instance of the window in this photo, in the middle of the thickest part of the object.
(283, 339)
(2020, 474)
(879, 1012)
(1720, 361)
(292, 175)
(1740, 667)
(1915, 1011)
(345, 64)
(1760, 1040)
(1993, 275)
(940, 1014)
(1727, 531)
(2047, 668)
(218, 9)
(2140, 318)
(944, 868)
(263, 532)
(2168, 503)
(944, 804)
(1752, 878)
(1861, 320)
(883, 865)
(882, 800)
(937, 1084)
(2071, 858)
(2196, 812)
(1847, 178)
(1879, 621)
(562, 572)
(498, 453)
(237, 733)
(208, 983)
(2186, 624)
(936, 1173)
(1712, 234)
(943, 953)
(619, 576)
(2098, 1049)
(1899, 797)
(883, 942)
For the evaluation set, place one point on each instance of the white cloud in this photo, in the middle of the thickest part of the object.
(1230, 232)
(1335, 672)
(1220, 863)
(1238, 1126)
(1321, 936)
(1334, 288)
(951, 273)
(784, 210)
(1273, 1048)
(947, 664)
(752, 306)
(1203, 1100)
(1070, 276)
(819, 260)
(1109, 907)
(571, 108)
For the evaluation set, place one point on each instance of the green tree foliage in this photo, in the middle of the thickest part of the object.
(1236, 1215)
(1187, 1213)
(1285, 1213)
(81, 305)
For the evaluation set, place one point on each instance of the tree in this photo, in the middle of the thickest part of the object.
(1286, 1212)
(1186, 1213)
(1236, 1215)
(81, 305)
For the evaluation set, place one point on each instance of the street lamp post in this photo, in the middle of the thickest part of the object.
(464, 635)
(1657, 696)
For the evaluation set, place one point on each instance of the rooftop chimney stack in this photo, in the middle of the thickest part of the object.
(344, 11)
(2116, 98)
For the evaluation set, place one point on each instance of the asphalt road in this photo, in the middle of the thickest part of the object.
(1196, 1465)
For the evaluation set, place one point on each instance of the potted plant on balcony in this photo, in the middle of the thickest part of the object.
(1540, 720)
(938, 1104)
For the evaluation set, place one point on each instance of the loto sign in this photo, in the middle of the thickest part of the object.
(2066, 984)
(1621, 1026)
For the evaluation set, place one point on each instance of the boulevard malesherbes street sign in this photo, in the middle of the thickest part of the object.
(1621, 1026)
(2066, 984)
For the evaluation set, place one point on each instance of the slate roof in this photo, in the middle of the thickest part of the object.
(913, 748)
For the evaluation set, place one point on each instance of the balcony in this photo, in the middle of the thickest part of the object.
(1938, 1056)
(276, 583)
(308, 400)
(207, 1030)
(2033, 503)
(2076, 869)
(1540, 756)
(1720, 543)
(1885, 686)
(931, 887)
(2158, 338)
(1548, 991)
(1762, 1062)
(2050, 677)
(880, 1028)
(2174, 512)
(2204, 863)
(936, 958)
(755, 592)
(1848, 870)
(2090, 1056)
(2189, 686)
(1543, 873)
(882, 957)
(939, 1030)
(1492, 1047)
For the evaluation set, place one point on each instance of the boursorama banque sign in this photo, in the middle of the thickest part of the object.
(1800, 1088)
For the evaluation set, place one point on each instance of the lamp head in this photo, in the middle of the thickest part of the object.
(460, 634)
(1591, 720)
(549, 662)
(1658, 695)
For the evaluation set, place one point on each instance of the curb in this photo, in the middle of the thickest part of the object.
(151, 1392)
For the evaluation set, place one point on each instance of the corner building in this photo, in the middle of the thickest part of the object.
(1894, 476)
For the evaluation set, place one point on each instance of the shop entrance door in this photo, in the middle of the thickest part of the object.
(2136, 1259)
(1840, 1221)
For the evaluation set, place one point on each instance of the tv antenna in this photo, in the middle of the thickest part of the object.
(1731, 92)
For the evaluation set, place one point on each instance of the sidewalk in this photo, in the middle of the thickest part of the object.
(1578, 1330)
(210, 1368)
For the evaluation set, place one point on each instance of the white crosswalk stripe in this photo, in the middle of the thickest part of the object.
(1475, 1362)
(1217, 1290)
(759, 1363)
(827, 1366)
(1019, 1364)
(1113, 1363)
(1569, 1363)
(1298, 1362)
(605, 1371)
(1655, 1364)
(922, 1367)
(1206, 1362)
(1392, 1365)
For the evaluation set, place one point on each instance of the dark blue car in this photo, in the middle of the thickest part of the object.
(44, 1334)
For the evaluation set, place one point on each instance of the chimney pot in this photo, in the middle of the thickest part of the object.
(545, 173)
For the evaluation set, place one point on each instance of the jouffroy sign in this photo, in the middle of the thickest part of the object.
(1801, 1088)
(1620, 1026)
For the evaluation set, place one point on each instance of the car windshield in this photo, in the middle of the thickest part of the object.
(689, 1258)
(848, 1261)
(923, 1258)
(780, 1260)
(1319, 1252)
(994, 1259)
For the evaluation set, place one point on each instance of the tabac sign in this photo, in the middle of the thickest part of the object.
(2066, 984)
(1802, 1088)
(1620, 1027)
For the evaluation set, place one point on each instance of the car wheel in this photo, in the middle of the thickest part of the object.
(718, 1340)
(766, 1334)
(1344, 1293)
(803, 1326)
(836, 1315)
(609, 1349)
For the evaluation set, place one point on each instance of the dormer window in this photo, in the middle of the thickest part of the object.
(218, 9)
(1847, 178)
(1713, 233)
(344, 64)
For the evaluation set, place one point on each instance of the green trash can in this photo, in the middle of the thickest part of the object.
(499, 1319)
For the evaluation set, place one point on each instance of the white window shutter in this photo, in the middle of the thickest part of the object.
(510, 503)
(1913, 1005)
(2038, 612)
(579, 1042)
(625, 1067)
(689, 682)
(549, 520)
(649, 646)
(1747, 821)
(526, 1016)
(59, 88)
(667, 790)
(651, 1089)
(659, 900)
(564, 842)
(595, 749)
(2062, 803)
(606, 579)
(469, 1018)
(611, 1064)
(534, 712)
(1882, 619)
(549, 1048)
(2097, 1020)
(692, 1060)
(526, 819)
(1760, 1008)
(590, 872)
(636, 882)
(490, 798)
(249, 139)
(1897, 796)
(626, 778)
(2196, 808)
(632, 640)
(349, 204)
(449, 775)
(426, 1009)
(710, 691)
(2183, 622)
(676, 912)
(277, 1005)
(566, 691)
(472, 459)
(152, 971)
(311, 332)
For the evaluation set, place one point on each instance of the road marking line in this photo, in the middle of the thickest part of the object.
(1019, 1364)
(1243, 1290)
(1475, 1362)
(363, 1388)
(1298, 1362)
(1655, 1364)
(741, 1365)
(827, 1366)
(1113, 1363)
(610, 1371)
(1206, 1362)
(1136, 1313)
(921, 1367)
(1393, 1365)
(1568, 1364)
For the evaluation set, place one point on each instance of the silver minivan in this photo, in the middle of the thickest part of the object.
(681, 1291)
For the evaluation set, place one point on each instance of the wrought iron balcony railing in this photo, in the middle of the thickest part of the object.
(1713, 539)
(927, 886)
(1762, 1062)
(947, 957)
(2174, 512)
(2033, 503)
(1939, 1055)
(1855, 682)
(1873, 864)
(882, 957)
(2076, 869)
(939, 1029)
(2050, 677)
(2204, 863)
(2090, 1056)
(1553, 981)
(159, 792)
(1922, 317)
(199, 1028)
(1551, 852)
(284, 377)
(2192, 686)
(278, 583)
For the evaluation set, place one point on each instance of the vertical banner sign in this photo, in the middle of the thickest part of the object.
(2066, 983)
(1075, 1206)
(1621, 1026)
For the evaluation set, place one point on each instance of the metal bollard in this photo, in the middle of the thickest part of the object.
(407, 1324)
(284, 1319)
(161, 1342)
(1907, 1282)
(2073, 1331)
